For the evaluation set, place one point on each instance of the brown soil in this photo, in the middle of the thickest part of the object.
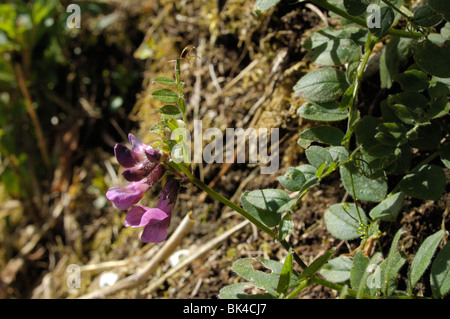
(87, 230)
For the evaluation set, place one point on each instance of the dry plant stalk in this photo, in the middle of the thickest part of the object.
(142, 275)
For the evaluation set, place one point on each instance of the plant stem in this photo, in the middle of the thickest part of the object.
(338, 287)
(328, 6)
(211, 192)
(389, 4)
(303, 285)
(353, 112)
(21, 81)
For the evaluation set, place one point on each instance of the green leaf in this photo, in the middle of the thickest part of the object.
(439, 64)
(364, 131)
(327, 34)
(356, 7)
(371, 282)
(310, 175)
(397, 161)
(42, 9)
(358, 270)
(264, 5)
(165, 80)
(394, 56)
(286, 227)
(409, 107)
(439, 103)
(264, 205)
(317, 155)
(391, 266)
(445, 154)
(427, 182)
(426, 137)
(389, 208)
(426, 17)
(288, 207)
(440, 272)
(412, 80)
(352, 68)
(165, 95)
(423, 257)
(338, 153)
(440, 6)
(365, 187)
(322, 85)
(380, 21)
(236, 291)
(293, 180)
(392, 134)
(322, 134)
(436, 38)
(337, 270)
(169, 111)
(316, 265)
(285, 276)
(268, 282)
(342, 221)
(308, 170)
(390, 274)
(445, 31)
(325, 112)
(336, 51)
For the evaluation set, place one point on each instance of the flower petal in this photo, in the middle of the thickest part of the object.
(124, 156)
(138, 172)
(140, 216)
(153, 155)
(156, 174)
(169, 195)
(126, 196)
(136, 144)
(155, 233)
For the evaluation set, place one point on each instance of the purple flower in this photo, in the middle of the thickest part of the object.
(143, 150)
(139, 162)
(155, 220)
(126, 196)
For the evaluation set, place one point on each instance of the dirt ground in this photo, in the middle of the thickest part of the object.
(243, 77)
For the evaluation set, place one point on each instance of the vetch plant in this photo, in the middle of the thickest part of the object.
(397, 149)
(381, 159)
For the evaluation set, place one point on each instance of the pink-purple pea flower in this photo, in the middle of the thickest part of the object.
(155, 220)
(143, 170)
(126, 196)
(139, 161)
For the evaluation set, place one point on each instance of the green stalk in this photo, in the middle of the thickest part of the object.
(353, 112)
(181, 103)
(389, 4)
(268, 231)
(338, 288)
(296, 291)
(211, 192)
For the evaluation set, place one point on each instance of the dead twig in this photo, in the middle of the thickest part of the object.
(142, 275)
(197, 254)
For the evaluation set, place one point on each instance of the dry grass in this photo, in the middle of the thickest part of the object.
(243, 77)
